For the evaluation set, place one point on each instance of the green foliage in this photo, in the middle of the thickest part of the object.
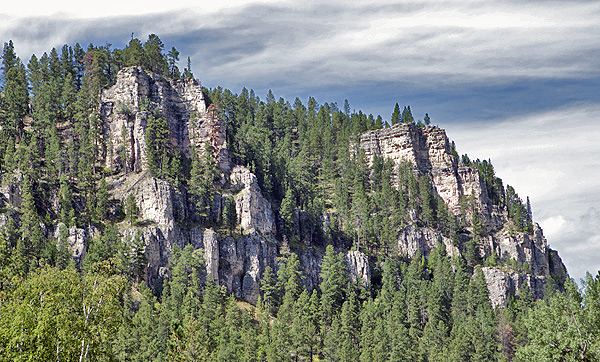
(565, 326)
(325, 191)
(204, 173)
(61, 315)
(131, 208)
(158, 146)
(229, 213)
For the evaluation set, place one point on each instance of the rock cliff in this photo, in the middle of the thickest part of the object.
(167, 212)
(428, 150)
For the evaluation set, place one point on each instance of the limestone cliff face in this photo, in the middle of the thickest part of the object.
(428, 150)
(167, 212)
(412, 239)
(253, 210)
(138, 95)
(358, 267)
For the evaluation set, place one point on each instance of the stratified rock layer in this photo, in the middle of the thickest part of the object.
(167, 217)
(428, 151)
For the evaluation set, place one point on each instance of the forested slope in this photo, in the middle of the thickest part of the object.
(144, 217)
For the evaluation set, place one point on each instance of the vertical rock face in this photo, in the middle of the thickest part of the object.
(76, 241)
(126, 108)
(428, 150)
(242, 263)
(412, 239)
(253, 210)
(136, 96)
(503, 282)
(358, 266)
(166, 211)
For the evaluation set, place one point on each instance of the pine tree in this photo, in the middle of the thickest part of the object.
(334, 278)
(229, 213)
(153, 59)
(350, 327)
(187, 72)
(287, 212)
(396, 115)
(172, 59)
(269, 291)
(102, 201)
(203, 175)
(157, 146)
(16, 97)
(131, 208)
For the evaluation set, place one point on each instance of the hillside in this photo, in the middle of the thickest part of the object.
(156, 206)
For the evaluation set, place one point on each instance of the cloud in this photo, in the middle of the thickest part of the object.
(327, 43)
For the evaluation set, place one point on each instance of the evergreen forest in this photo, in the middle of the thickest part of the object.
(56, 307)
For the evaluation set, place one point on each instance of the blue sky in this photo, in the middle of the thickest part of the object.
(514, 81)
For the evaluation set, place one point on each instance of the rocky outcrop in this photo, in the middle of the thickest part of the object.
(412, 239)
(428, 150)
(502, 282)
(166, 213)
(11, 189)
(529, 251)
(242, 263)
(358, 267)
(253, 210)
(138, 95)
(76, 240)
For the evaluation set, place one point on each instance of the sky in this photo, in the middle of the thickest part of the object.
(517, 82)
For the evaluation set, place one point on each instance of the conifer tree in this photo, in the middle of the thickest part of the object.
(333, 285)
(396, 115)
(229, 213)
(131, 208)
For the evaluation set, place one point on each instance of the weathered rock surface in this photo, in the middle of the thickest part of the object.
(76, 241)
(358, 266)
(412, 239)
(428, 149)
(503, 282)
(253, 210)
(530, 251)
(138, 94)
(167, 213)
(242, 263)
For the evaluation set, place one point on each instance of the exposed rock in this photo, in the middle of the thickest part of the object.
(242, 263)
(412, 239)
(167, 215)
(253, 210)
(211, 254)
(212, 130)
(358, 266)
(76, 241)
(11, 189)
(528, 250)
(137, 94)
(503, 282)
(310, 261)
(428, 150)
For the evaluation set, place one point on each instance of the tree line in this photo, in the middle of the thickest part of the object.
(52, 148)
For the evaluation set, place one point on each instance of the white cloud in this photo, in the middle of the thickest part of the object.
(109, 8)
(318, 42)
